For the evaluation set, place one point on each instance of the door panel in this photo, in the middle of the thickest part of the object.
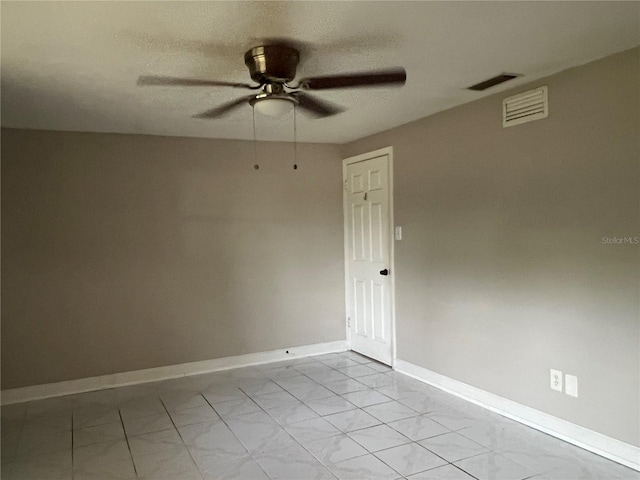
(368, 243)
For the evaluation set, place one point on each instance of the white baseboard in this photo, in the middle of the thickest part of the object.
(81, 385)
(611, 448)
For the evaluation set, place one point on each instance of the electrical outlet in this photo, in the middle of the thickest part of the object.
(555, 380)
(571, 385)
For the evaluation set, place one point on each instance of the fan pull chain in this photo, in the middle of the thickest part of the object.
(255, 142)
(295, 139)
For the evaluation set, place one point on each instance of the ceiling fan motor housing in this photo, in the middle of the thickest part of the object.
(272, 63)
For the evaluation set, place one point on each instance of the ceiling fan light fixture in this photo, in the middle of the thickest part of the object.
(273, 106)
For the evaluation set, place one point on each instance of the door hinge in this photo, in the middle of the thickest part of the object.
(348, 322)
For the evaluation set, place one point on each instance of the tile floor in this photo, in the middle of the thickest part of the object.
(325, 417)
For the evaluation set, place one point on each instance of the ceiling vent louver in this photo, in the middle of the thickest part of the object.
(493, 81)
(525, 107)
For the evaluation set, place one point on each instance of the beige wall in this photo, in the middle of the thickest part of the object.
(502, 274)
(126, 252)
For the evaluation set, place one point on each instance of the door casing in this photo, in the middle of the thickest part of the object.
(388, 151)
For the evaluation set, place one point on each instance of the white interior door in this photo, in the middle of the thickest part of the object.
(367, 196)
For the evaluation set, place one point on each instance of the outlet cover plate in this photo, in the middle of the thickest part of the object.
(555, 380)
(571, 385)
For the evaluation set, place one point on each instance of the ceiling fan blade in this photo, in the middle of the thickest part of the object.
(152, 80)
(314, 106)
(223, 109)
(390, 77)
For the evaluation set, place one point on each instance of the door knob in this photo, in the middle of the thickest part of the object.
(384, 272)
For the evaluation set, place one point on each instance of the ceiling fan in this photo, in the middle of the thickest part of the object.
(272, 67)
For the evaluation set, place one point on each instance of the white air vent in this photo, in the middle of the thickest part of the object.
(525, 107)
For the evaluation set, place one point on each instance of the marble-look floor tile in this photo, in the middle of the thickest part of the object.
(398, 391)
(9, 445)
(334, 449)
(293, 464)
(49, 407)
(491, 466)
(16, 411)
(236, 407)
(275, 374)
(352, 420)
(172, 464)
(366, 398)
(260, 387)
(190, 416)
(378, 438)
(390, 411)
(127, 394)
(99, 453)
(326, 377)
(260, 433)
(357, 371)
(377, 380)
(51, 422)
(328, 356)
(329, 405)
(205, 381)
(418, 428)
(312, 429)
(295, 382)
(311, 392)
(447, 472)
(339, 362)
(154, 442)
(534, 457)
(237, 467)
(97, 434)
(151, 423)
(272, 400)
(36, 442)
(366, 467)
(585, 471)
(34, 433)
(453, 447)
(213, 437)
(454, 419)
(223, 394)
(410, 458)
(54, 466)
(491, 435)
(176, 401)
(585, 458)
(349, 385)
(356, 357)
(291, 413)
(379, 367)
(141, 407)
(117, 470)
(421, 403)
(313, 367)
(92, 415)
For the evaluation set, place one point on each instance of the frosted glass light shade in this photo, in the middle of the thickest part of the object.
(273, 107)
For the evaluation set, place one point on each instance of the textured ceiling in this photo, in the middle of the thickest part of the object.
(74, 65)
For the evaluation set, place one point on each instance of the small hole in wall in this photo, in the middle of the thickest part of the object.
(287, 351)
(256, 166)
(295, 167)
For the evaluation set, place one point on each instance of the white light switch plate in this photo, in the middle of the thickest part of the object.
(571, 385)
(555, 380)
(398, 232)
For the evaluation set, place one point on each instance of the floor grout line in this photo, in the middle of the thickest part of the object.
(126, 437)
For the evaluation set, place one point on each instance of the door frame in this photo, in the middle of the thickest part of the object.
(345, 162)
